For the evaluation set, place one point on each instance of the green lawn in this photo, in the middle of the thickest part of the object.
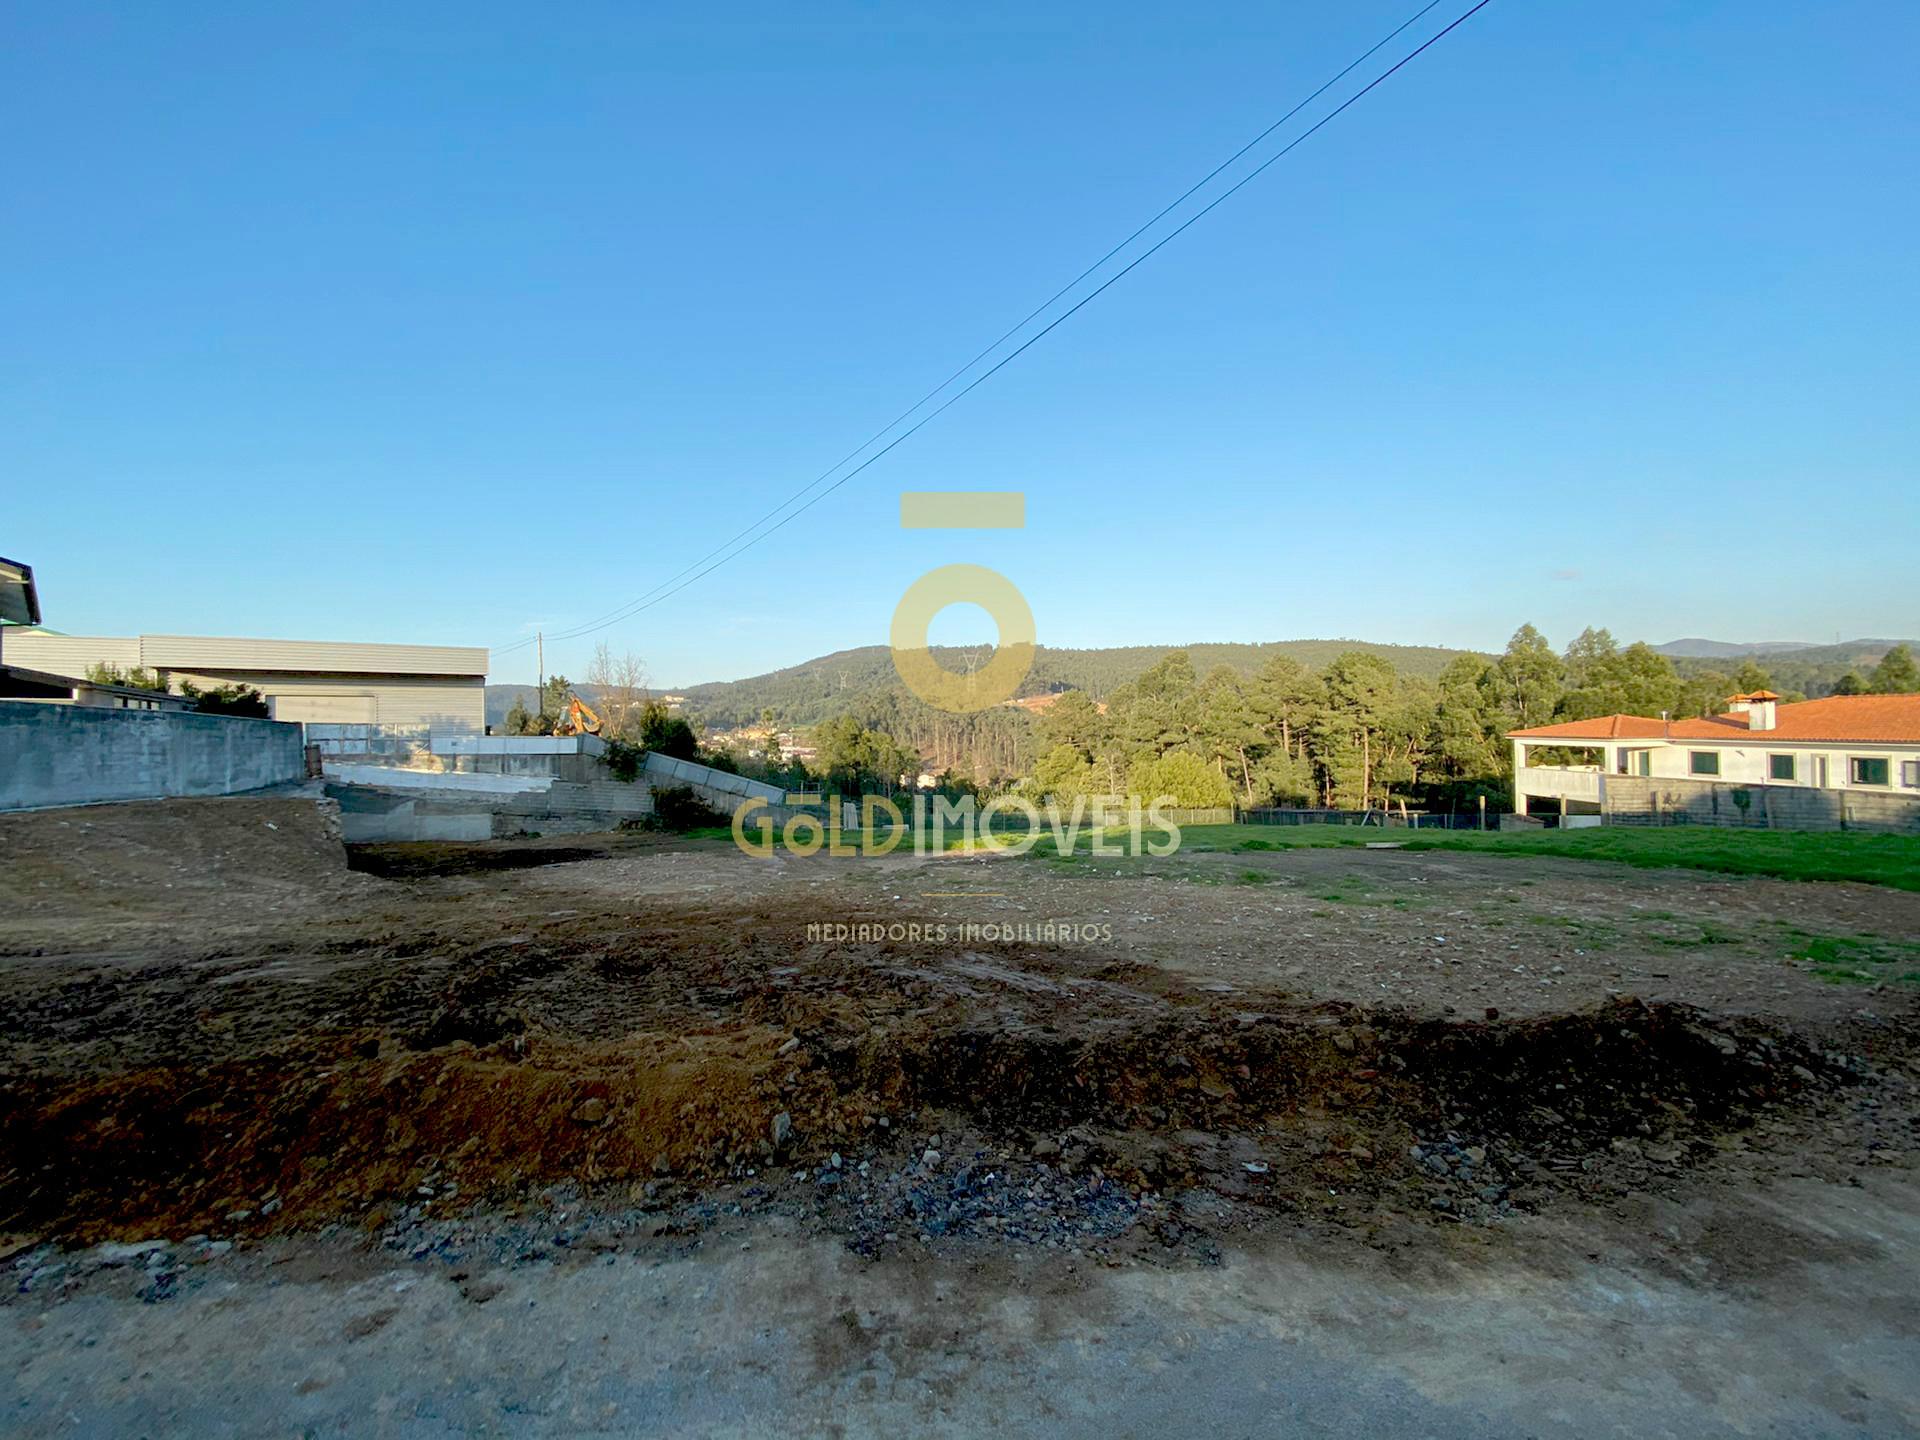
(1792, 855)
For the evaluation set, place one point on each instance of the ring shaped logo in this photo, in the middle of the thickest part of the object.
(962, 585)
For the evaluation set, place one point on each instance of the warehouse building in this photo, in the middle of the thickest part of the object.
(310, 681)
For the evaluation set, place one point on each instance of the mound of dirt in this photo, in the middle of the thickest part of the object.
(89, 866)
(1276, 1105)
(111, 854)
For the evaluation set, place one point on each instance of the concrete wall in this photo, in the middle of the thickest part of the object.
(721, 789)
(507, 784)
(385, 812)
(1654, 800)
(80, 755)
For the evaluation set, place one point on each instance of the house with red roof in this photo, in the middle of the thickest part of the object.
(1848, 745)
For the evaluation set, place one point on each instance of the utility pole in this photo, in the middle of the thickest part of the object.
(540, 649)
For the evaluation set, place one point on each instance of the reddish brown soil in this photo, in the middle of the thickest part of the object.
(210, 1012)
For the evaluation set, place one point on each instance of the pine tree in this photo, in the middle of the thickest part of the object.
(1896, 674)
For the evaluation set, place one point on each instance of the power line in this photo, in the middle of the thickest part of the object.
(649, 600)
(613, 616)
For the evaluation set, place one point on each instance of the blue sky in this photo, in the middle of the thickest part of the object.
(442, 323)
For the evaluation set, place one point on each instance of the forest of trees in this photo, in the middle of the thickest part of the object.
(1352, 734)
(1309, 724)
(831, 685)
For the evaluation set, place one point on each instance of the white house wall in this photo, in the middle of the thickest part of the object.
(1739, 765)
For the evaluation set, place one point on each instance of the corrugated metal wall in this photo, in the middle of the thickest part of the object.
(446, 688)
(205, 652)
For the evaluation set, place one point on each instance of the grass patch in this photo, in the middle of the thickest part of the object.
(1892, 860)
(1858, 959)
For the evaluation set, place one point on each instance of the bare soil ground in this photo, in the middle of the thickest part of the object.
(595, 1135)
(217, 1026)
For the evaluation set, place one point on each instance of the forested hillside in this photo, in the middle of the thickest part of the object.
(1806, 670)
(1357, 734)
(831, 685)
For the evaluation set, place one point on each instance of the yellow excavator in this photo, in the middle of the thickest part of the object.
(579, 718)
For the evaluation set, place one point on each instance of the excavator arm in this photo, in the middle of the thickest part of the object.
(580, 718)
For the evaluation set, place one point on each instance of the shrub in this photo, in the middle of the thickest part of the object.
(227, 700)
(677, 808)
(624, 759)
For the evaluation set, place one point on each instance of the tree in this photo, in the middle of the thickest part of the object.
(1590, 654)
(1896, 674)
(1156, 712)
(1529, 679)
(1469, 755)
(619, 684)
(855, 759)
(1592, 677)
(519, 719)
(1073, 720)
(135, 677)
(1703, 693)
(553, 704)
(1062, 774)
(1182, 778)
(665, 733)
(1850, 684)
(1647, 682)
(1227, 727)
(1288, 697)
(1361, 693)
(1751, 677)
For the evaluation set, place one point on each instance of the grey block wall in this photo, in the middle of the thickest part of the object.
(1641, 800)
(83, 755)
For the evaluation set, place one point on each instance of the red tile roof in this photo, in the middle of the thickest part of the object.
(1845, 719)
(1601, 727)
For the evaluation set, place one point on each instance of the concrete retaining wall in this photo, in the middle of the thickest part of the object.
(83, 755)
(372, 812)
(1656, 800)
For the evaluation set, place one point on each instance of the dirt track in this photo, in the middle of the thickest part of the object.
(213, 1016)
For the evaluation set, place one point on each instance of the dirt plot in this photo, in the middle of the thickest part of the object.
(216, 1025)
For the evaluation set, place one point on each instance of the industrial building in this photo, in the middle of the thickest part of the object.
(310, 681)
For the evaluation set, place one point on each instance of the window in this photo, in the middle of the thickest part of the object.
(1867, 769)
(1910, 774)
(1780, 767)
(1703, 762)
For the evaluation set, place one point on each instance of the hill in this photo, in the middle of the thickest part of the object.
(1693, 648)
(1810, 670)
(819, 689)
(829, 685)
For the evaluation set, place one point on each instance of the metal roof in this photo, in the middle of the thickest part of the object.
(19, 600)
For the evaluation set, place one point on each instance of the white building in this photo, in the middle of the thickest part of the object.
(439, 686)
(1858, 744)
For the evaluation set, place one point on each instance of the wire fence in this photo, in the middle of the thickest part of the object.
(1385, 819)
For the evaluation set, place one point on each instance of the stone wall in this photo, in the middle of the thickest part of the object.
(1656, 800)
